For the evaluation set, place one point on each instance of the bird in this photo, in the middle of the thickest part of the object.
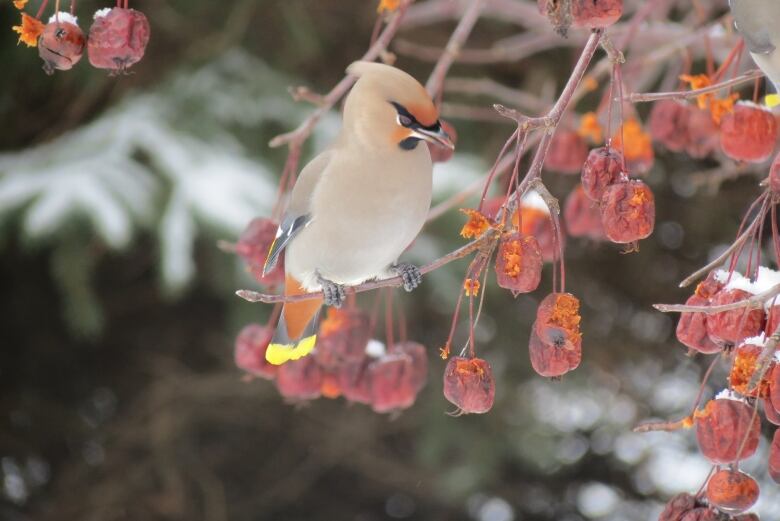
(758, 21)
(357, 205)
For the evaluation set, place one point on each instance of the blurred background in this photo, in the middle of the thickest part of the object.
(119, 397)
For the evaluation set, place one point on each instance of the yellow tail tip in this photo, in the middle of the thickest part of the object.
(772, 100)
(277, 354)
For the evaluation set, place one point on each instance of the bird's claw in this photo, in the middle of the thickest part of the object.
(410, 274)
(333, 294)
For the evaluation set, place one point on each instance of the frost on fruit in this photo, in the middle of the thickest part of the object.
(61, 44)
(118, 39)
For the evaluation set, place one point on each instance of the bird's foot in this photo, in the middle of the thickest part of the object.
(333, 294)
(409, 273)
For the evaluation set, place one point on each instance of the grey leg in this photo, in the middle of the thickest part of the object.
(334, 294)
(409, 273)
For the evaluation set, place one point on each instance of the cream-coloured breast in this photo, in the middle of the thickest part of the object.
(367, 208)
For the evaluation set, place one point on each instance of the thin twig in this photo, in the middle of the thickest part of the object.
(300, 134)
(749, 76)
(456, 41)
(723, 256)
(254, 296)
(754, 302)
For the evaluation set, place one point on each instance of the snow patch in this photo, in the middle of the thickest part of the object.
(375, 348)
(767, 279)
(759, 340)
(64, 17)
(726, 394)
(532, 199)
(754, 105)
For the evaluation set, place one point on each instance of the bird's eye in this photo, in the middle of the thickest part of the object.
(404, 121)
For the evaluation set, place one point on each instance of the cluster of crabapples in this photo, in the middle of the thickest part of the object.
(728, 428)
(345, 362)
(116, 40)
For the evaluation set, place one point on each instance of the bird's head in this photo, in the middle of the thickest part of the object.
(389, 108)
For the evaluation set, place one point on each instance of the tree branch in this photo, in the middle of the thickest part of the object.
(749, 76)
(296, 137)
(456, 41)
(476, 244)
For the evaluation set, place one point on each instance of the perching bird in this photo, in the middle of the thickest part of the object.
(758, 21)
(359, 204)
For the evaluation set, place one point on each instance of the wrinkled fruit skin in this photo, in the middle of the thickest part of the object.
(774, 177)
(692, 328)
(702, 514)
(342, 337)
(583, 13)
(596, 13)
(300, 380)
(392, 383)
(249, 354)
(677, 507)
(628, 212)
(703, 134)
(749, 133)
(770, 413)
(602, 168)
(355, 381)
(419, 357)
(443, 154)
(60, 46)
(558, 321)
(582, 216)
(253, 246)
(518, 263)
(774, 388)
(118, 40)
(669, 124)
(567, 153)
(469, 384)
(729, 328)
(774, 457)
(552, 361)
(732, 491)
(537, 223)
(722, 426)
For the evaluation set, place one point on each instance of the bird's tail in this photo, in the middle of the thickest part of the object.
(296, 332)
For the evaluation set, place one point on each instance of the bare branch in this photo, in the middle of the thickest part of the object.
(476, 244)
(754, 302)
(296, 137)
(749, 76)
(456, 41)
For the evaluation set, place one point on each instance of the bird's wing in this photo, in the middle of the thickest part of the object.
(297, 216)
(756, 20)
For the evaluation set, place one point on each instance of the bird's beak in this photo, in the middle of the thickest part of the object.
(438, 136)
